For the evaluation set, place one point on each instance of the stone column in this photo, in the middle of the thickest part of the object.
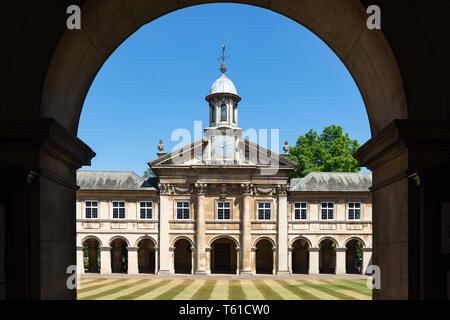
(409, 160)
(132, 260)
(253, 258)
(80, 260)
(164, 254)
(340, 261)
(105, 259)
(38, 162)
(274, 259)
(200, 228)
(171, 260)
(290, 260)
(313, 260)
(208, 260)
(238, 251)
(282, 228)
(367, 258)
(246, 230)
(156, 260)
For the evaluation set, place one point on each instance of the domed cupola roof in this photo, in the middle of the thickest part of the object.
(223, 85)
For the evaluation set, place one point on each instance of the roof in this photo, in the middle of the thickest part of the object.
(223, 85)
(113, 180)
(333, 181)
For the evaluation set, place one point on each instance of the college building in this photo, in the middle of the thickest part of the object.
(223, 205)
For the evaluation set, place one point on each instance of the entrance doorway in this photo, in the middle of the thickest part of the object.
(300, 256)
(91, 255)
(327, 256)
(223, 256)
(264, 257)
(146, 256)
(183, 256)
(119, 256)
(354, 256)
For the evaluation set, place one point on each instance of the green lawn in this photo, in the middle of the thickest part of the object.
(222, 289)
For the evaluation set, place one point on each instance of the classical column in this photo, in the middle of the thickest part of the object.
(282, 226)
(367, 259)
(105, 260)
(253, 259)
(290, 260)
(246, 230)
(200, 228)
(238, 251)
(171, 260)
(80, 260)
(132, 260)
(208, 260)
(313, 260)
(340, 261)
(164, 254)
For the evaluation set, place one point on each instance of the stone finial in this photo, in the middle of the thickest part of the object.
(160, 148)
(286, 147)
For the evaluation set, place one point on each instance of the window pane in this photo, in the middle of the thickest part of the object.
(223, 112)
(304, 205)
(357, 214)
(297, 205)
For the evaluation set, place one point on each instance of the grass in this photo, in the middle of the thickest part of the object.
(211, 289)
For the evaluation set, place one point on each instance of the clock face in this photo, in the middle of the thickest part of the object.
(223, 147)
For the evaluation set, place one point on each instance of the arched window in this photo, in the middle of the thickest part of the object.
(213, 114)
(223, 112)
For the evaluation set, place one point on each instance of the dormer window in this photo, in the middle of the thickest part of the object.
(223, 112)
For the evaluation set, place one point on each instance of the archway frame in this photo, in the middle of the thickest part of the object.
(300, 238)
(175, 240)
(83, 240)
(110, 241)
(328, 238)
(274, 245)
(346, 241)
(223, 236)
(136, 244)
(366, 53)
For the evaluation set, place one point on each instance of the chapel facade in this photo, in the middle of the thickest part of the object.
(223, 205)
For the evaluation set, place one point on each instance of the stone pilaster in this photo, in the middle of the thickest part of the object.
(367, 259)
(313, 260)
(200, 228)
(246, 230)
(340, 261)
(282, 228)
(80, 260)
(164, 254)
(132, 260)
(156, 260)
(105, 260)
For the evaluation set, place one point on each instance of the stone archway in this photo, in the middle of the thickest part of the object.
(146, 256)
(182, 256)
(354, 256)
(119, 256)
(300, 256)
(65, 62)
(327, 256)
(224, 256)
(91, 255)
(264, 261)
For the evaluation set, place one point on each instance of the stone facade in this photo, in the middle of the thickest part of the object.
(224, 204)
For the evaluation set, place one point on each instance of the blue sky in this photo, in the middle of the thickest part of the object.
(156, 82)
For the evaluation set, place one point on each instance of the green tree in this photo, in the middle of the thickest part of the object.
(149, 173)
(327, 152)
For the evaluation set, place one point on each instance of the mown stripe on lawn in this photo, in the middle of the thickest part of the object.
(266, 291)
(144, 290)
(205, 290)
(331, 291)
(358, 283)
(114, 290)
(98, 286)
(235, 291)
(303, 294)
(346, 286)
(172, 292)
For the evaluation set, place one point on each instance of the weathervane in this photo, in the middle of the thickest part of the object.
(223, 67)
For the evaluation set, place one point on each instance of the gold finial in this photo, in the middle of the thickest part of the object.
(161, 149)
(223, 67)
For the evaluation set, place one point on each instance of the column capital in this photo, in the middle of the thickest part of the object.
(105, 248)
(282, 189)
(132, 248)
(247, 189)
(201, 188)
(311, 249)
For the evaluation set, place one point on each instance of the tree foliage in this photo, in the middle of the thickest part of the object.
(330, 151)
(148, 173)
